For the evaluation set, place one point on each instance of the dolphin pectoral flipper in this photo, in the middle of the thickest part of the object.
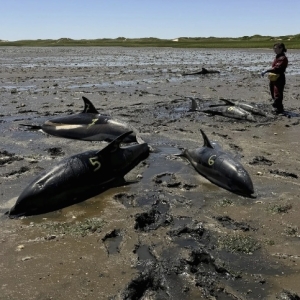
(32, 127)
(88, 106)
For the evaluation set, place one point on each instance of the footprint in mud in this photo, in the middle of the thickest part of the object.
(187, 233)
(208, 273)
(283, 173)
(170, 180)
(8, 158)
(145, 257)
(149, 284)
(128, 200)
(55, 151)
(167, 180)
(17, 172)
(261, 160)
(201, 260)
(235, 147)
(112, 241)
(157, 216)
(162, 278)
(224, 136)
(194, 229)
(231, 224)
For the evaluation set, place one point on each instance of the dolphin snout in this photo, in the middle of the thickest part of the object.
(244, 183)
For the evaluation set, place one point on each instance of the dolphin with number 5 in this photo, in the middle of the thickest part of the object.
(89, 125)
(79, 177)
(220, 167)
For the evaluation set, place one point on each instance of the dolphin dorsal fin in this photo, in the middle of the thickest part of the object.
(227, 101)
(194, 105)
(88, 106)
(207, 143)
(115, 144)
(204, 71)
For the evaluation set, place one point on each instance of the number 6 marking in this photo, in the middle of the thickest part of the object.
(211, 161)
(95, 162)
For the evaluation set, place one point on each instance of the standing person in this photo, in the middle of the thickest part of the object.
(277, 76)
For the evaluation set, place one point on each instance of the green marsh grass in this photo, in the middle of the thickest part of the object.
(256, 41)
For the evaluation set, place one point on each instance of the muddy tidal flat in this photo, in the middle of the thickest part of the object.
(171, 234)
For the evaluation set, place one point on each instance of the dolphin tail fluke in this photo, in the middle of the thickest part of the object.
(88, 106)
(115, 144)
(32, 127)
(207, 142)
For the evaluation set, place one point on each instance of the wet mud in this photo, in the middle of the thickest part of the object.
(170, 233)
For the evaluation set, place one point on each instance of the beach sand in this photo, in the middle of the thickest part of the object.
(172, 234)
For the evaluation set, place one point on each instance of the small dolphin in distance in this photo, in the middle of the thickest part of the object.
(89, 125)
(220, 167)
(79, 177)
(202, 72)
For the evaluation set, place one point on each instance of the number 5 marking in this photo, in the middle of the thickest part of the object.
(211, 160)
(95, 162)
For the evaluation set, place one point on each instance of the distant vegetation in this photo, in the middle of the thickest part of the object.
(255, 41)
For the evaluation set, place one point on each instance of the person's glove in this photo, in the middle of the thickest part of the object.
(263, 73)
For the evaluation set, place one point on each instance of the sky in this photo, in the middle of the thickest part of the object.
(165, 19)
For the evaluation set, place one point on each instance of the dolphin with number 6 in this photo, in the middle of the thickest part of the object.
(220, 167)
(89, 125)
(79, 177)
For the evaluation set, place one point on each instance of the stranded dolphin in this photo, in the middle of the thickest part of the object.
(250, 108)
(89, 125)
(230, 112)
(224, 110)
(73, 178)
(197, 104)
(220, 167)
(202, 72)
